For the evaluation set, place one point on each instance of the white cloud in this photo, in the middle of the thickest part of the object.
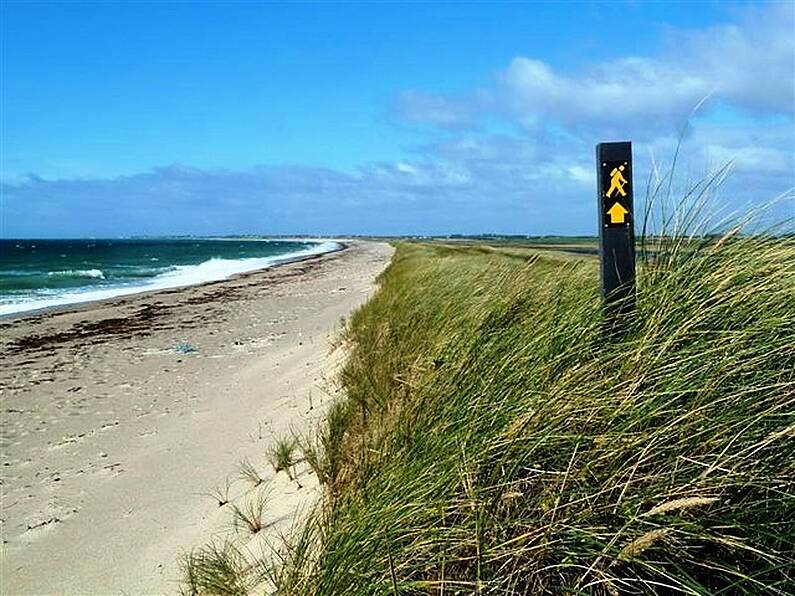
(619, 96)
(749, 65)
(754, 149)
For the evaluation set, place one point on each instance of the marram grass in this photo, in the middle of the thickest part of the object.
(493, 440)
(282, 454)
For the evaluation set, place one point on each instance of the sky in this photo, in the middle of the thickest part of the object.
(160, 118)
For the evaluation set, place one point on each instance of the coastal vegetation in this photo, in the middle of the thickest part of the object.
(249, 473)
(282, 454)
(221, 493)
(493, 439)
(250, 514)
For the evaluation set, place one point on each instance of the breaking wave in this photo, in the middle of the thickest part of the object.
(89, 273)
(174, 277)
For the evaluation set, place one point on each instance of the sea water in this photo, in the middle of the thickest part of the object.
(37, 274)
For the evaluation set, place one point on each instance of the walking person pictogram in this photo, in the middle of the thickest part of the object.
(617, 182)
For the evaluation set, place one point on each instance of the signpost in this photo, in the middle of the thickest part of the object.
(616, 227)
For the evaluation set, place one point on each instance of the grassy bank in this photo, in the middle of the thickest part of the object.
(493, 441)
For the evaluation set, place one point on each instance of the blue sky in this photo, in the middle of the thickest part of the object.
(384, 118)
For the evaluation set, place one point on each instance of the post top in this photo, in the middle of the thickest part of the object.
(614, 151)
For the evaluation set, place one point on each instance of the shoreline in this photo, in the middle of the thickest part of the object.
(341, 246)
(112, 436)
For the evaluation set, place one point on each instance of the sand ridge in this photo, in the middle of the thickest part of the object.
(119, 417)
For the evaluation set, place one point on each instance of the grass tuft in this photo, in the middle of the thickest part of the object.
(216, 569)
(249, 473)
(221, 493)
(282, 455)
(250, 514)
(323, 450)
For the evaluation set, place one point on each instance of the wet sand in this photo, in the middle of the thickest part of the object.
(120, 416)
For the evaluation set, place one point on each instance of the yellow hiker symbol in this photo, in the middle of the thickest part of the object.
(617, 182)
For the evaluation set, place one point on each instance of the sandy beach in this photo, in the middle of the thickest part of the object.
(119, 417)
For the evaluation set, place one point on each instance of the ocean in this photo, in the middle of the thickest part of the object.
(37, 274)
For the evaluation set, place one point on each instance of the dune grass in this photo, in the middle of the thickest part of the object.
(281, 454)
(249, 473)
(218, 568)
(494, 441)
(494, 438)
(249, 514)
(221, 493)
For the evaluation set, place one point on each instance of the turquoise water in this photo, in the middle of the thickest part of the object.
(44, 273)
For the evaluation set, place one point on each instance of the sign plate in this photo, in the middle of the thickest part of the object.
(615, 188)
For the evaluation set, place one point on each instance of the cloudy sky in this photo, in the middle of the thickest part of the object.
(372, 118)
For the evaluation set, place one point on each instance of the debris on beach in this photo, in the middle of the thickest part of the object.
(185, 348)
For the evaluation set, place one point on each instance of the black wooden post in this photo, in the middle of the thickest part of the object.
(616, 227)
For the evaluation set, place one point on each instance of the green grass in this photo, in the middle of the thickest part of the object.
(282, 454)
(218, 569)
(494, 441)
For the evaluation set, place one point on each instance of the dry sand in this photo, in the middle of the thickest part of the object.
(111, 438)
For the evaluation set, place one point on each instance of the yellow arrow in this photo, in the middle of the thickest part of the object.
(617, 213)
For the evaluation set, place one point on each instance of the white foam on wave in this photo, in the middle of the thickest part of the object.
(180, 276)
(89, 273)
